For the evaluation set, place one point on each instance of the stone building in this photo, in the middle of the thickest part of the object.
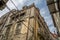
(3, 4)
(54, 8)
(26, 24)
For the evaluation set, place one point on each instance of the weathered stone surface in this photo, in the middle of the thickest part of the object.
(49, 1)
(3, 4)
(55, 13)
(52, 8)
(26, 24)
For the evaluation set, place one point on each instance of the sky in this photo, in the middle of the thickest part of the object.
(41, 4)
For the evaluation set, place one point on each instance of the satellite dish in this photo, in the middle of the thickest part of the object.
(3, 4)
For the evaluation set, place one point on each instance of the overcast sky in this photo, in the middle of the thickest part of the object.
(41, 4)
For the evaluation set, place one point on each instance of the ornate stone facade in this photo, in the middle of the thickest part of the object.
(26, 24)
(54, 8)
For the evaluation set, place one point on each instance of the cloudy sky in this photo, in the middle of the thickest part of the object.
(41, 4)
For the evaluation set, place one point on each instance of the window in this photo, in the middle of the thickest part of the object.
(18, 28)
(22, 14)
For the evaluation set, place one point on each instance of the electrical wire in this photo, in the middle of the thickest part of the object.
(14, 4)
